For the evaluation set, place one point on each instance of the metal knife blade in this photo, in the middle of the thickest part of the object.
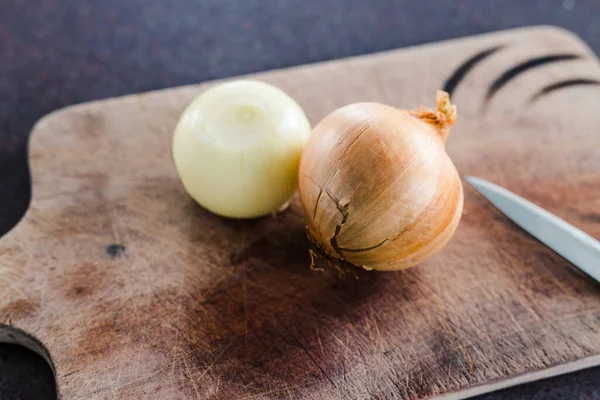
(571, 243)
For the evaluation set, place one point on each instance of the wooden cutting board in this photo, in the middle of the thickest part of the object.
(132, 291)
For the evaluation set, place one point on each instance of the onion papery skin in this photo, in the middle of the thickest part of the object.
(377, 186)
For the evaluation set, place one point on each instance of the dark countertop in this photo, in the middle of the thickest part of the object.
(59, 52)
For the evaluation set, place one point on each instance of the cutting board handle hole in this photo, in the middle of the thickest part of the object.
(17, 346)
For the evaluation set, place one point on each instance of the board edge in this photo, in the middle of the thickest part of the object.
(546, 373)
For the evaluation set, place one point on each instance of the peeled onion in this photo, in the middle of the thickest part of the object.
(237, 148)
(377, 187)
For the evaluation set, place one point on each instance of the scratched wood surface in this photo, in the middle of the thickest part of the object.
(132, 291)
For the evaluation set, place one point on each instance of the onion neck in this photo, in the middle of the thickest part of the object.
(442, 118)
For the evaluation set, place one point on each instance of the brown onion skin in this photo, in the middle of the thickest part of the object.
(377, 186)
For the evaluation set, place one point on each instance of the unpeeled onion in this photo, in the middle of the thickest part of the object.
(377, 187)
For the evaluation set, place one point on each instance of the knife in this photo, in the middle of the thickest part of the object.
(571, 243)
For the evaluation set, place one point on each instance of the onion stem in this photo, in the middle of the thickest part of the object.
(443, 117)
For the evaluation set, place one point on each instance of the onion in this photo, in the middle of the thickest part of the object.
(237, 148)
(377, 187)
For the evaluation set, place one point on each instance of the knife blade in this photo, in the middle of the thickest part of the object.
(574, 245)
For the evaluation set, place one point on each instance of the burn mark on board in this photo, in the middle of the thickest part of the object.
(525, 66)
(501, 81)
(459, 74)
(562, 85)
(115, 250)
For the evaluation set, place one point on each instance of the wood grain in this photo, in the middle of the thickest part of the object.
(132, 291)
